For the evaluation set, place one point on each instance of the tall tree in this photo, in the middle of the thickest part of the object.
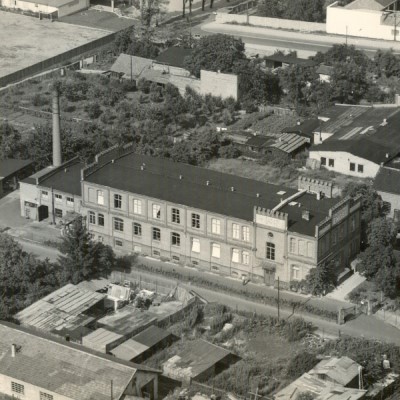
(322, 278)
(83, 258)
(215, 53)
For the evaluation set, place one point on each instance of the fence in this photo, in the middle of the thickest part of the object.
(41, 66)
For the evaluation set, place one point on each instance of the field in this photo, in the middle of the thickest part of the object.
(27, 40)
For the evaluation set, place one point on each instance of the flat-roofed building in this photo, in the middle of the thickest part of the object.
(38, 366)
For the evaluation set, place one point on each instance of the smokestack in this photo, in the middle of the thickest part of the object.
(56, 129)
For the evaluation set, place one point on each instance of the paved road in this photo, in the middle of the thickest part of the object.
(290, 40)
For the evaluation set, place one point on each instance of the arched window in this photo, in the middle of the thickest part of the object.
(119, 224)
(270, 251)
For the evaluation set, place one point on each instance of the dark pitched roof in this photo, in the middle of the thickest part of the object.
(10, 166)
(174, 56)
(160, 179)
(127, 64)
(306, 128)
(363, 148)
(287, 59)
(258, 141)
(325, 69)
(388, 180)
(67, 180)
(76, 372)
(152, 336)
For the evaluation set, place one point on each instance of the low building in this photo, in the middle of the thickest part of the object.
(12, 171)
(325, 73)
(34, 365)
(289, 144)
(48, 8)
(64, 310)
(282, 61)
(305, 128)
(387, 184)
(201, 361)
(102, 340)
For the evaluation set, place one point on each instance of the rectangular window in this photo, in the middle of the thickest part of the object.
(137, 206)
(70, 201)
(245, 258)
(118, 224)
(353, 223)
(156, 211)
(17, 388)
(156, 234)
(100, 239)
(118, 243)
(215, 250)
(195, 245)
(235, 231)
(360, 168)
(196, 221)
(137, 229)
(176, 217)
(236, 256)
(270, 253)
(352, 166)
(175, 239)
(117, 201)
(92, 217)
(100, 219)
(215, 226)
(100, 197)
(292, 245)
(295, 273)
(334, 236)
(302, 249)
(331, 162)
(58, 198)
(323, 161)
(246, 233)
(310, 249)
(58, 213)
(46, 396)
(44, 195)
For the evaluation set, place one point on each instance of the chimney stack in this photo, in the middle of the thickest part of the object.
(13, 350)
(56, 129)
(305, 215)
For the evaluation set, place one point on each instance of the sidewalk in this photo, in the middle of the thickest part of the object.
(342, 291)
(295, 36)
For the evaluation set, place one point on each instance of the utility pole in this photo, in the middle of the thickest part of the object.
(52, 206)
(395, 21)
(278, 301)
(131, 69)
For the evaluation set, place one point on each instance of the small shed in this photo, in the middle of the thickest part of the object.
(102, 340)
(130, 350)
(11, 171)
(202, 360)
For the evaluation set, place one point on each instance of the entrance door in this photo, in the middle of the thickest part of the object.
(269, 277)
(43, 212)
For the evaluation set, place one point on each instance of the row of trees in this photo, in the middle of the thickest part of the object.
(24, 279)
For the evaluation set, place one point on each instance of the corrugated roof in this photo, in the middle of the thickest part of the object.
(61, 367)
(63, 308)
(258, 141)
(174, 56)
(100, 338)
(198, 358)
(129, 350)
(152, 336)
(388, 180)
(10, 166)
(289, 142)
(127, 64)
(374, 5)
(119, 292)
(306, 128)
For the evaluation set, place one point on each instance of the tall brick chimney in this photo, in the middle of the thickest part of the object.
(56, 129)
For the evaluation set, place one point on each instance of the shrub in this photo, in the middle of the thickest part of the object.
(94, 110)
(218, 322)
(143, 85)
(39, 100)
(300, 364)
(70, 108)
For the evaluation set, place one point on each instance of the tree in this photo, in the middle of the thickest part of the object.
(305, 396)
(93, 109)
(321, 279)
(381, 232)
(11, 143)
(306, 10)
(301, 363)
(342, 53)
(82, 258)
(385, 63)
(215, 53)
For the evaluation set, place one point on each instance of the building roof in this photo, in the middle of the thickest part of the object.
(127, 64)
(151, 336)
(118, 292)
(388, 180)
(174, 56)
(364, 148)
(100, 338)
(258, 141)
(322, 390)
(50, 3)
(61, 367)
(199, 357)
(11, 166)
(289, 142)
(374, 5)
(287, 59)
(129, 350)
(341, 370)
(63, 308)
(160, 179)
(324, 70)
(306, 128)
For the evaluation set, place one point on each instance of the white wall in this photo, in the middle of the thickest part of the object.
(342, 162)
(73, 7)
(218, 84)
(361, 23)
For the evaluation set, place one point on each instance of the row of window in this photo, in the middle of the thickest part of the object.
(360, 167)
(58, 198)
(331, 163)
(301, 247)
(20, 389)
(100, 219)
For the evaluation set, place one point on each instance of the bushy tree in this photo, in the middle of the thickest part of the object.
(385, 63)
(342, 53)
(83, 258)
(322, 278)
(93, 109)
(215, 53)
(301, 363)
(11, 143)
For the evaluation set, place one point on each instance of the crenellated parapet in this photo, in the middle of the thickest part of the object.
(318, 186)
(271, 218)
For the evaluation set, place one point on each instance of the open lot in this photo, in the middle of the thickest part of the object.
(26, 40)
